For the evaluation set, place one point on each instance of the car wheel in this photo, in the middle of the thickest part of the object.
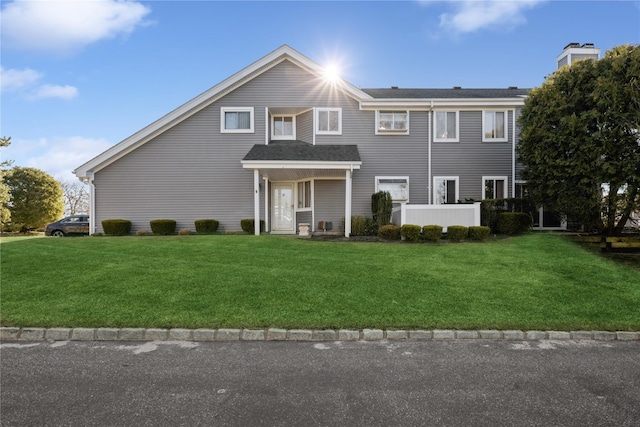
(57, 233)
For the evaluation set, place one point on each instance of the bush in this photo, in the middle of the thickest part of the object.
(457, 233)
(389, 232)
(478, 232)
(381, 208)
(116, 227)
(207, 225)
(513, 222)
(184, 232)
(361, 226)
(142, 233)
(248, 225)
(410, 232)
(432, 233)
(163, 227)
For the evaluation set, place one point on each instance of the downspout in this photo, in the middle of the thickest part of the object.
(429, 181)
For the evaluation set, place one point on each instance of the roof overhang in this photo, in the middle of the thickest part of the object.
(281, 170)
(430, 104)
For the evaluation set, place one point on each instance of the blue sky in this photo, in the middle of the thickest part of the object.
(79, 76)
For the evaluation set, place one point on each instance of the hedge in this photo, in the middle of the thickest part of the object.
(432, 233)
(389, 232)
(116, 227)
(457, 233)
(362, 226)
(163, 227)
(248, 225)
(479, 232)
(410, 232)
(206, 225)
(513, 222)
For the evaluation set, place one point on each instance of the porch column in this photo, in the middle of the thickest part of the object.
(256, 201)
(347, 203)
(266, 204)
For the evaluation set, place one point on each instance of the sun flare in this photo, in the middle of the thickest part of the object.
(332, 73)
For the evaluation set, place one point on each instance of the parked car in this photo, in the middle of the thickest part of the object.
(74, 224)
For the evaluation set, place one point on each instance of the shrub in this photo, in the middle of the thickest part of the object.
(361, 226)
(142, 233)
(410, 232)
(432, 233)
(163, 227)
(513, 222)
(116, 227)
(457, 233)
(389, 232)
(207, 225)
(248, 225)
(381, 208)
(479, 232)
(184, 232)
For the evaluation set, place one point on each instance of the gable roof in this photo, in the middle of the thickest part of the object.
(205, 99)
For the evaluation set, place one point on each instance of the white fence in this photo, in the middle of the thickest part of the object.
(443, 215)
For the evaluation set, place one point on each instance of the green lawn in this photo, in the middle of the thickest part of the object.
(536, 281)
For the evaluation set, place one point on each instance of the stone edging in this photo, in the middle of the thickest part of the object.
(275, 334)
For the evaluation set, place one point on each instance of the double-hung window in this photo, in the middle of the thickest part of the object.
(236, 119)
(392, 122)
(494, 187)
(304, 195)
(329, 121)
(494, 126)
(446, 189)
(446, 126)
(283, 127)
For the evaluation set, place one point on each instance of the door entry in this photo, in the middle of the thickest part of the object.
(282, 198)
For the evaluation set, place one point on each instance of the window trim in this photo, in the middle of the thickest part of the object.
(506, 126)
(494, 178)
(391, 131)
(406, 178)
(328, 110)
(446, 178)
(435, 124)
(273, 127)
(224, 110)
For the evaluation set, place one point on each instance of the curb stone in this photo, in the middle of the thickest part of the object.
(277, 334)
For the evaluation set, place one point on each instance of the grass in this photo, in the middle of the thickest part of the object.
(536, 281)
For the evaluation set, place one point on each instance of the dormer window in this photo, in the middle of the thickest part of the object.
(283, 127)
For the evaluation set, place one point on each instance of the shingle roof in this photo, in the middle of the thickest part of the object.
(301, 151)
(402, 93)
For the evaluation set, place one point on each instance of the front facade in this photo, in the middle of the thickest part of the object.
(281, 143)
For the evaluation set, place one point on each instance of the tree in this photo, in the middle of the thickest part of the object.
(36, 198)
(76, 197)
(5, 213)
(579, 135)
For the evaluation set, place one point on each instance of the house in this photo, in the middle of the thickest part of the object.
(281, 142)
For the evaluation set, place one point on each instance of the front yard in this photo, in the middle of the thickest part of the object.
(537, 281)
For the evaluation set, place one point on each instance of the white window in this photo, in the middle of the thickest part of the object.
(494, 187)
(445, 126)
(445, 189)
(494, 126)
(236, 119)
(522, 190)
(304, 195)
(397, 186)
(392, 122)
(283, 127)
(329, 121)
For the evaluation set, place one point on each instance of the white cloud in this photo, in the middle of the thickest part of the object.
(470, 16)
(67, 26)
(55, 91)
(17, 79)
(57, 156)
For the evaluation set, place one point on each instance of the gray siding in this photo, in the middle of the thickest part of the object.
(192, 171)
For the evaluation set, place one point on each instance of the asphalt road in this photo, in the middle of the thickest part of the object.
(438, 383)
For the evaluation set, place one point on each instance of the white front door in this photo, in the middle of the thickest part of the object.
(283, 207)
